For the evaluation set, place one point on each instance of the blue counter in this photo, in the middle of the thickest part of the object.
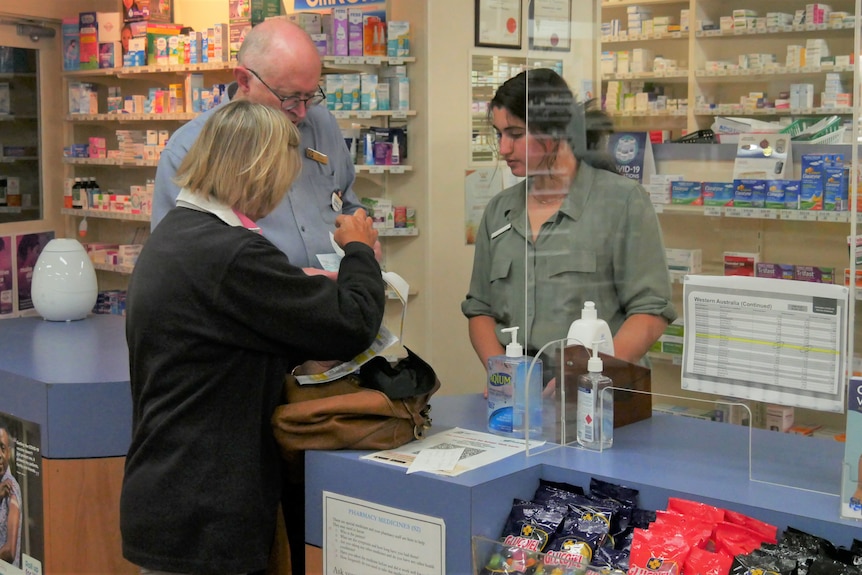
(663, 456)
(72, 378)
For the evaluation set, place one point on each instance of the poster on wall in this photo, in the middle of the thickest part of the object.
(7, 278)
(22, 543)
(851, 486)
(632, 152)
(480, 185)
(27, 249)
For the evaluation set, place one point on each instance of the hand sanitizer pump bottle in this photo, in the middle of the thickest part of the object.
(510, 392)
(595, 405)
(589, 329)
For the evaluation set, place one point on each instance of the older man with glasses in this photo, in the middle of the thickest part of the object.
(279, 66)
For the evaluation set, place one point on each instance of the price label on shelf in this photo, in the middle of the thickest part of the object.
(356, 59)
(396, 61)
(373, 60)
(676, 35)
(364, 114)
(832, 217)
(712, 210)
(341, 114)
(659, 208)
(375, 170)
(397, 169)
(399, 115)
(341, 60)
(807, 216)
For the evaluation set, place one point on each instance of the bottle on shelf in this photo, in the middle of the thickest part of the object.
(77, 189)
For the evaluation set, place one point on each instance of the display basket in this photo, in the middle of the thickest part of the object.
(493, 557)
(829, 130)
(700, 137)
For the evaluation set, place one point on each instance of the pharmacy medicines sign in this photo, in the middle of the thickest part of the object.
(300, 5)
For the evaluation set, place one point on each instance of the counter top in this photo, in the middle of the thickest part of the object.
(786, 480)
(72, 378)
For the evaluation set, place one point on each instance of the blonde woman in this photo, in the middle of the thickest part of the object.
(216, 315)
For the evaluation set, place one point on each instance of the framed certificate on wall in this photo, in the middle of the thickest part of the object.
(498, 23)
(551, 25)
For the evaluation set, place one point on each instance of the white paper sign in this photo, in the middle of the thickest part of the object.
(364, 537)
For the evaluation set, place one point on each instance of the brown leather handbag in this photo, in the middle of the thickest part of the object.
(381, 407)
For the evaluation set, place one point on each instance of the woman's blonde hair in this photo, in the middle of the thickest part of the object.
(246, 157)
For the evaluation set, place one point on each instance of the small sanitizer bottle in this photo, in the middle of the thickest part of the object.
(511, 392)
(595, 406)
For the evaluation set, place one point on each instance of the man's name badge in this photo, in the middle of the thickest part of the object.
(337, 202)
(318, 157)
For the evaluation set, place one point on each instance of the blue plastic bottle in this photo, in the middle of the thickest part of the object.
(510, 392)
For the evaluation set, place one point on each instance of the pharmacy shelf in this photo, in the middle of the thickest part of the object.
(644, 37)
(123, 117)
(670, 114)
(368, 114)
(735, 110)
(111, 162)
(767, 73)
(154, 69)
(675, 76)
(399, 169)
(794, 29)
(758, 213)
(398, 232)
(623, 3)
(104, 214)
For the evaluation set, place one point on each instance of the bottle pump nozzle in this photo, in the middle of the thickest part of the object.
(514, 349)
(595, 365)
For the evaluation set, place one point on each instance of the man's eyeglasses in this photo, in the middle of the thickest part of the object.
(290, 102)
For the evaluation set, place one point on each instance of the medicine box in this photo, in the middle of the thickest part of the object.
(774, 195)
(88, 47)
(835, 188)
(811, 192)
(340, 44)
(779, 417)
(684, 192)
(717, 193)
(776, 271)
(816, 274)
(354, 32)
(740, 263)
(398, 39)
(792, 189)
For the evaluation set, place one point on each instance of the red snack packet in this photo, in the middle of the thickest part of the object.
(703, 562)
(736, 539)
(657, 550)
(703, 511)
(768, 532)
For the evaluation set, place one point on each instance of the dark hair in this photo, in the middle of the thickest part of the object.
(542, 99)
(28, 242)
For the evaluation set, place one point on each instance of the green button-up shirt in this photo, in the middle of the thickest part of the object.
(603, 245)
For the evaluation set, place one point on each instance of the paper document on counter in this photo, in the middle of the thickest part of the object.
(479, 449)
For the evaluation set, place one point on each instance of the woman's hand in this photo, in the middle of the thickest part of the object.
(355, 228)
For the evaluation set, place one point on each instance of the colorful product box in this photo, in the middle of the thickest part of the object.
(398, 39)
(71, 44)
(835, 188)
(89, 41)
(775, 194)
(340, 44)
(740, 263)
(239, 29)
(110, 55)
(792, 190)
(717, 193)
(749, 193)
(688, 193)
(157, 42)
(811, 192)
(373, 35)
(354, 32)
(814, 274)
(775, 271)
